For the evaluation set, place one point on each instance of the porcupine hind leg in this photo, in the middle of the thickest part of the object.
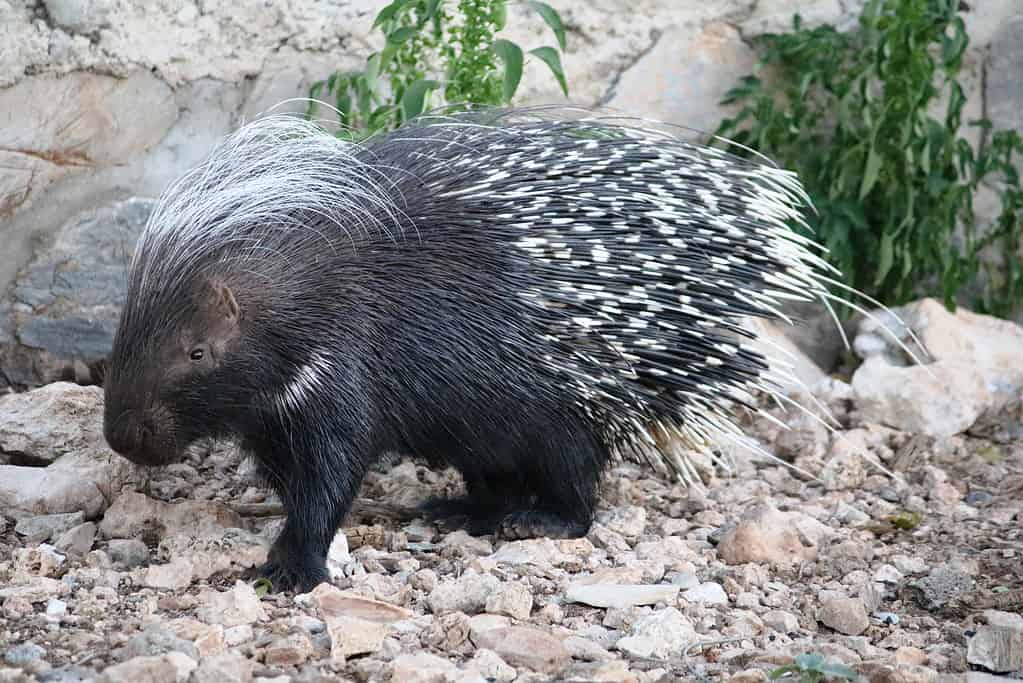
(478, 512)
(557, 497)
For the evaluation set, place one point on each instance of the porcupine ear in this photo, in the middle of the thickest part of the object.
(224, 305)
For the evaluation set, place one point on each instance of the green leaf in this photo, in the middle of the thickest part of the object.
(400, 35)
(552, 18)
(500, 15)
(431, 9)
(387, 13)
(870, 171)
(511, 55)
(885, 258)
(550, 57)
(415, 97)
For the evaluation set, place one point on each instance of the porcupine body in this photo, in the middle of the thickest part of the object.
(520, 297)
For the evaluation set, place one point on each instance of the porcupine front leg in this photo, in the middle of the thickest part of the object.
(317, 495)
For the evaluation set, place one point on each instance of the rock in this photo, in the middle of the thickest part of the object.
(616, 595)
(845, 615)
(128, 553)
(490, 665)
(172, 667)
(977, 370)
(708, 593)
(629, 521)
(40, 560)
(293, 649)
(217, 552)
(663, 634)
(134, 515)
(765, 534)
(41, 528)
(513, 599)
(685, 75)
(226, 667)
(542, 552)
(351, 636)
(338, 555)
(60, 418)
(586, 650)
(781, 621)
(78, 540)
(485, 622)
(468, 593)
(76, 482)
(942, 585)
(80, 16)
(35, 589)
(234, 607)
(176, 574)
(1003, 97)
(421, 667)
(938, 401)
(332, 602)
(153, 641)
(775, 16)
(998, 645)
(524, 647)
(448, 632)
(208, 639)
(466, 544)
(23, 655)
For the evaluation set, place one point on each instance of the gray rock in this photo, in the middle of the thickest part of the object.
(1004, 94)
(77, 481)
(468, 593)
(528, 648)
(80, 16)
(173, 667)
(663, 634)
(976, 373)
(40, 528)
(615, 595)
(708, 593)
(65, 304)
(20, 655)
(78, 540)
(128, 553)
(998, 645)
(46, 423)
(940, 586)
(845, 615)
(155, 641)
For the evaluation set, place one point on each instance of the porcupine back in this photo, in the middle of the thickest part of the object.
(635, 253)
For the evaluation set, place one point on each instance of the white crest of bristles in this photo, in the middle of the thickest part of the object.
(255, 190)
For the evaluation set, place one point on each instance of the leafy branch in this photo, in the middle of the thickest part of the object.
(436, 55)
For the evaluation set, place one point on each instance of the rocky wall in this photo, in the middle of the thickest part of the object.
(103, 102)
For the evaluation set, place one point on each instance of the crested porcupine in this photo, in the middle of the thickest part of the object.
(519, 296)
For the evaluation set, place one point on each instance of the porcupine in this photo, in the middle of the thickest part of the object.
(520, 296)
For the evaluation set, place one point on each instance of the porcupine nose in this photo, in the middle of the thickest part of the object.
(127, 434)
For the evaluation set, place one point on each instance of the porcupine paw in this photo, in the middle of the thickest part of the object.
(287, 575)
(523, 524)
(466, 513)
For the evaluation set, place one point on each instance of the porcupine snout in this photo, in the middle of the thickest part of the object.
(131, 434)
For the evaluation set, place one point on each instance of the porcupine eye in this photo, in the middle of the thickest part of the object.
(197, 354)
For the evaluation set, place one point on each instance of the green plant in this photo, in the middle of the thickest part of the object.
(812, 668)
(893, 186)
(435, 51)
